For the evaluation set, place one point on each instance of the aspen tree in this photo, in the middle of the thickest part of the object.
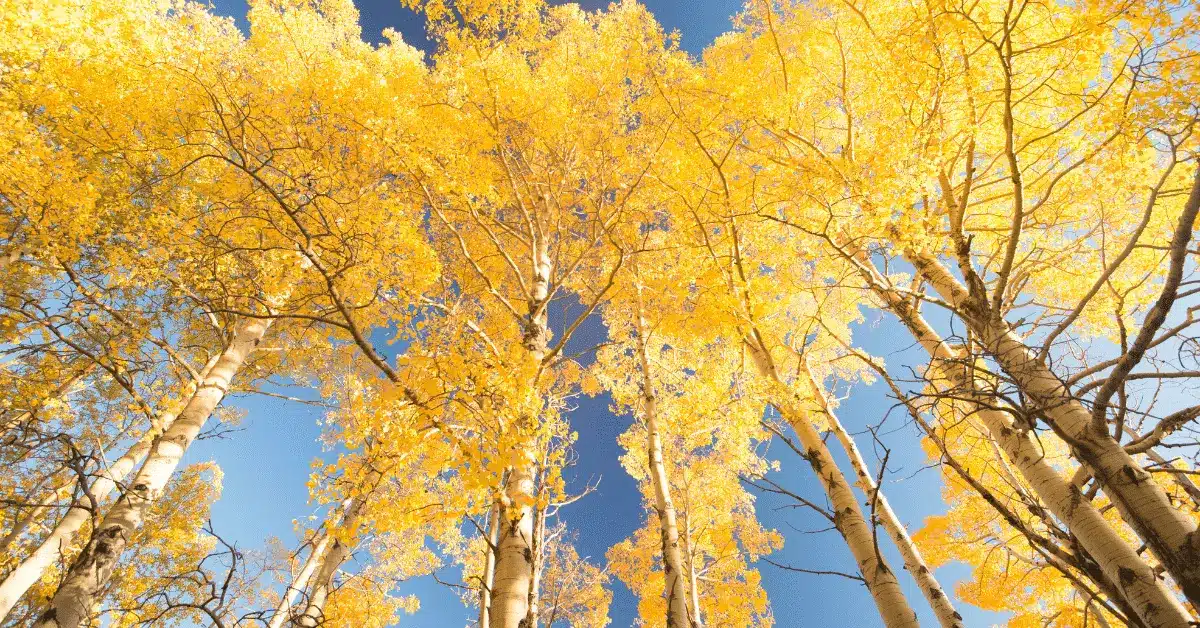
(73, 601)
(678, 612)
(517, 228)
(995, 140)
(943, 609)
(49, 549)
(1148, 594)
(710, 150)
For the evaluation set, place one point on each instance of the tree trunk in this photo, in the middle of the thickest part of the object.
(18, 529)
(322, 585)
(675, 586)
(320, 544)
(50, 550)
(1184, 482)
(693, 577)
(489, 566)
(73, 601)
(1147, 594)
(1169, 532)
(943, 609)
(539, 562)
(848, 518)
(514, 554)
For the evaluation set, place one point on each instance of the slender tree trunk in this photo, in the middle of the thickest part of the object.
(693, 577)
(1147, 594)
(539, 562)
(50, 550)
(675, 587)
(943, 609)
(321, 586)
(40, 504)
(489, 566)
(1169, 532)
(848, 518)
(92, 569)
(18, 529)
(300, 583)
(514, 552)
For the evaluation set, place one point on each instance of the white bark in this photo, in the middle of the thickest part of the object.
(514, 555)
(300, 582)
(1184, 482)
(489, 566)
(1168, 531)
(943, 609)
(49, 551)
(73, 601)
(539, 562)
(1146, 594)
(321, 586)
(675, 586)
(514, 551)
(848, 518)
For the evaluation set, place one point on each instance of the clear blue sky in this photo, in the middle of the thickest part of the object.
(267, 462)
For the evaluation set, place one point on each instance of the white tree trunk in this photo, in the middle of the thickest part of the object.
(50, 550)
(943, 609)
(321, 586)
(1168, 531)
(514, 553)
(539, 562)
(675, 587)
(848, 518)
(1147, 594)
(489, 566)
(73, 601)
(300, 582)
(1184, 482)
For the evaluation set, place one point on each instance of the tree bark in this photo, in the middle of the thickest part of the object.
(1147, 594)
(675, 586)
(943, 609)
(50, 550)
(848, 518)
(539, 562)
(514, 554)
(321, 585)
(489, 566)
(1184, 482)
(72, 603)
(300, 583)
(1169, 532)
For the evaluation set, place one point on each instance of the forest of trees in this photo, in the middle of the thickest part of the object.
(188, 211)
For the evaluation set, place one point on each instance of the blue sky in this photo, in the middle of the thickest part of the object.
(267, 461)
